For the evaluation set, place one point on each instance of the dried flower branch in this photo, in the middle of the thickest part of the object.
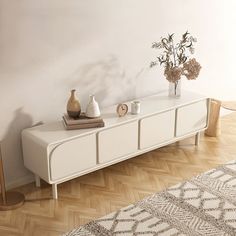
(191, 69)
(175, 57)
(173, 74)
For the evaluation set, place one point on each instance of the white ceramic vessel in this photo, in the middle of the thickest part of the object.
(92, 110)
(135, 107)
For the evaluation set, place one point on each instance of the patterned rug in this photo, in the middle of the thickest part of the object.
(204, 205)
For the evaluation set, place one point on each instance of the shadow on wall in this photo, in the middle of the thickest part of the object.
(11, 145)
(106, 79)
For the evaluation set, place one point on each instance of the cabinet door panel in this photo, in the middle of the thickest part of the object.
(73, 156)
(117, 142)
(157, 129)
(191, 118)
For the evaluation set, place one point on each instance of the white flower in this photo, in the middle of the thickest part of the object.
(191, 38)
(192, 50)
(159, 45)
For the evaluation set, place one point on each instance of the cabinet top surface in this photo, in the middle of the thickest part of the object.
(55, 132)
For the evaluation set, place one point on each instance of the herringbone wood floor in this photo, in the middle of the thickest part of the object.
(109, 189)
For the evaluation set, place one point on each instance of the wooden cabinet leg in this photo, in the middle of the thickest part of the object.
(37, 181)
(54, 191)
(197, 138)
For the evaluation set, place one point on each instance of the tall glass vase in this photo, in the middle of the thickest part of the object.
(175, 88)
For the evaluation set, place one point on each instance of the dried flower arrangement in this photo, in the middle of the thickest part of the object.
(175, 58)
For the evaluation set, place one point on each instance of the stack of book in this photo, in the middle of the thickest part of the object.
(82, 122)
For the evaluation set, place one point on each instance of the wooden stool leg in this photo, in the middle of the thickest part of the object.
(2, 181)
(8, 200)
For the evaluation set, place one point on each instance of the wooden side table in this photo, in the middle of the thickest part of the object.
(8, 200)
(213, 129)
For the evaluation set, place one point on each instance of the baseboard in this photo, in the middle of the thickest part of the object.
(20, 181)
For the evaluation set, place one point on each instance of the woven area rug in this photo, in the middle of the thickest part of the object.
(204, 205)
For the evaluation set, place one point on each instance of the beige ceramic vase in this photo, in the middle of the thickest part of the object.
(73, 106)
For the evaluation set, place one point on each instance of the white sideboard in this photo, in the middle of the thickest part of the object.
(57, 155)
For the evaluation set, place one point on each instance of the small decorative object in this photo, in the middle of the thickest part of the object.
(73, 105)
(135, 107)
(122, 109)
(92, 110)
(176, 61)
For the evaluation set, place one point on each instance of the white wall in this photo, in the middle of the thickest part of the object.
(103, 47)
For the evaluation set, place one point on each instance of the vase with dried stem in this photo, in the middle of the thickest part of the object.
(176, 61)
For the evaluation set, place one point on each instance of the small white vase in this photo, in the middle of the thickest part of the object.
(92, 110)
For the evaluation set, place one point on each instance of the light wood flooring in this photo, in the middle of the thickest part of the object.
(99, 193)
